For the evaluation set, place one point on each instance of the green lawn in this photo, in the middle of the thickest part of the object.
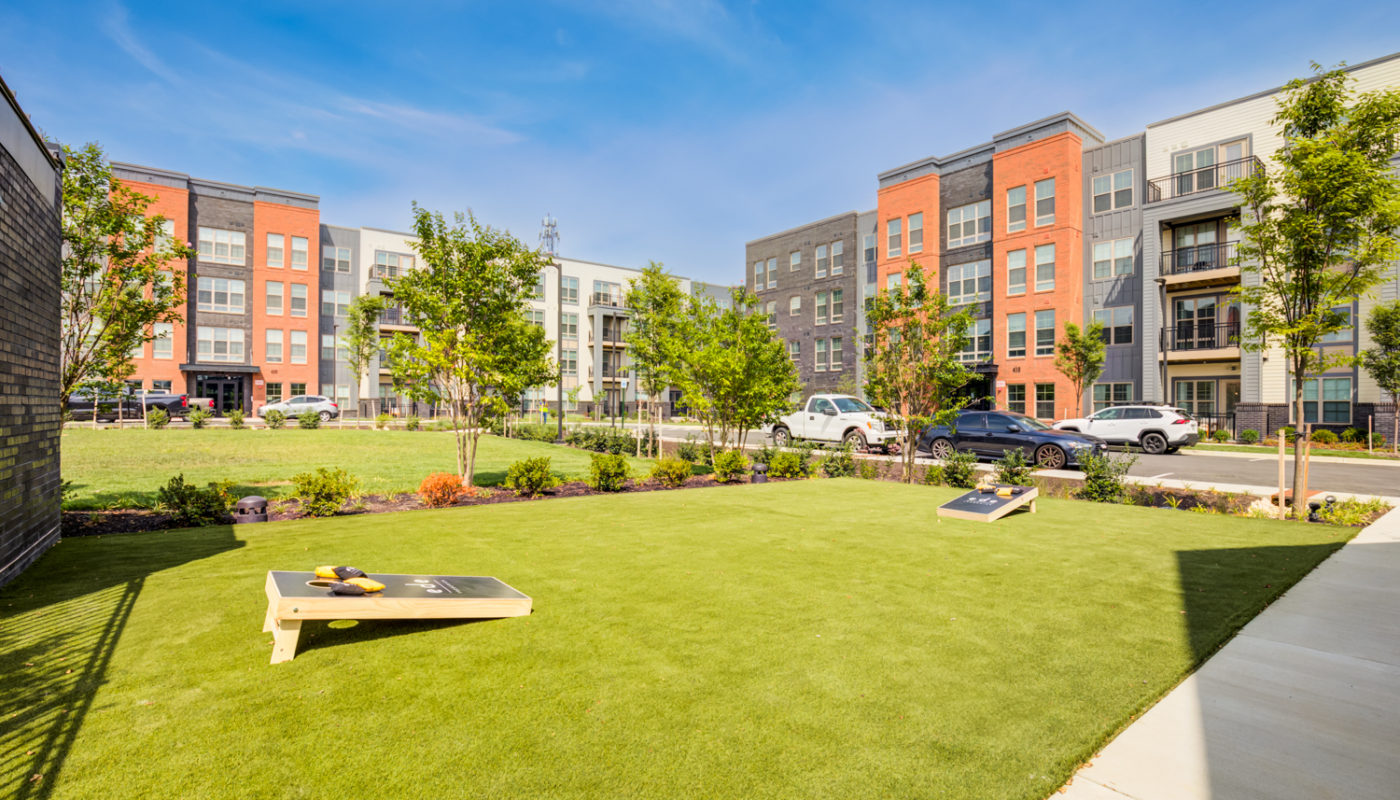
(123, 468)
(816, 639)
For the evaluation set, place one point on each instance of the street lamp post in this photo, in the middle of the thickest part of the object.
(549, 241)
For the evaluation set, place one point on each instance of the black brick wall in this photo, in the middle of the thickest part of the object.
(30, 421)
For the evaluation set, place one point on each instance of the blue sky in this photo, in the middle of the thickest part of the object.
(652, 129)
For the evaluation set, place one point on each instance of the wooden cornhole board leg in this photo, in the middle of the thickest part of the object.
(285, 633)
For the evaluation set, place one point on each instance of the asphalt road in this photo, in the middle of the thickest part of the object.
(1357, 475)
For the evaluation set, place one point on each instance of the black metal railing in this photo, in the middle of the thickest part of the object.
(1196, 335)
(371, 407)
(393, 316)
(1198, 258)
(1208, 422)
(613, 299)
(1205, 179)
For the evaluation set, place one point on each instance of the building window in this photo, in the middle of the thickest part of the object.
(772, 273)
(916, 233)
(1112, 192)
(822, 309)
(334, 304)
(1112, 394)
(570, 326)
(772, 311)
(163, 345)
(275, 242)
(979, 342)
(274, 392)
(1044, 267)
(836, 359)
(1016, 272)
(970, 224)
(391, 265)
(1335, 400)
(539, 286)
(568, 361)
(569, 290)
(272, 352)
(794, 260)
(838, 257)
(160, 386)
(1016, 335)
(1112, 259)
(759, 280)
(534, 316)
(822, 261)
(794, 306)
(219, 344)
(838, 305)
(1045, 332)
(335, 258)
(894, 241)
(1045, 202)
(274, 298)
(331, 349)
(299, 348)
(894, 281)
(869, 248)
(223, 295)
(298, 299)
(795, 350)
(1016, 217)
(298, 390)
(1344, 335)
(1117, 324)
(821, 362)
(1197, 397)
(970, 282)
(1016, 397)
(300, 252)
(1045, 400)
(222, 247)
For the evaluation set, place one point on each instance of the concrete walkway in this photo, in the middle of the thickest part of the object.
(1303, 704)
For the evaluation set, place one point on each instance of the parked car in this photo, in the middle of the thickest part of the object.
(835, 418)
(1156, 429)
(990, 434)
(127, 404)
(296, 406)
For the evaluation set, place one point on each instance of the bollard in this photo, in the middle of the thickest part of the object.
(250, 509)
(760, 474)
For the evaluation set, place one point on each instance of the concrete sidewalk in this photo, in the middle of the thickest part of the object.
(1304, 703)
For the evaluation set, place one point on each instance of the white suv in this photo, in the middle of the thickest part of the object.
(324, 407)
(1156, 429)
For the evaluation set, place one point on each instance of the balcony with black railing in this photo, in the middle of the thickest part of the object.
(394, 316)
(1204, 179)
(610, 299)
(1200, 258)
(1193, 336)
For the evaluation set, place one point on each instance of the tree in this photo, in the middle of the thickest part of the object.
(1318, 228)
(912, 368)
(654, 301)
(475, 351)
(1382, 362)
(1080, 356)
(121, 272)
(361, 337)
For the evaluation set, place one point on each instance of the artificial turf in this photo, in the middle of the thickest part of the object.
(807, 639)
(112, 468)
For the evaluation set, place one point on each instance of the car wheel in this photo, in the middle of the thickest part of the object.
(781, 437)
(856, 441)
(1154, 444)
(1048, 456)
(325, 416)
(940, 448)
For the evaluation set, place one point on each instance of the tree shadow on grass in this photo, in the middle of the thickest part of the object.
(60, 623)
(101, 501)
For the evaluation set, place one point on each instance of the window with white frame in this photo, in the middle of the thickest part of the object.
(1045, 332)
(274, 298)
(916, 233)
(795, 350)
(1016, 397)
(970, 224)
(334, 303)
(1016, 272)
(868, 249)
(391, 265)
(794, 305)
(1044, 267)
(979, 342)
(275, 243)
(1045, 400)
(894, 281)
(838, 257)
(822, 261)
(272, 347)
(332, 349)
(838, 305)
(1045, 202)
(301, 252)
(822, 309)
(535, 316)
(568, 361)
(794, 260)
(570, 326)
(894, 237)
(222, 247)
(820, 363)
(1334, 403)
(970, 282)
(1113, 259)
(163, 345)
(772, 311)
(760, 281)
(772, 273)
(1112, 192)
(137, 351)
(298, 299)
(223, 295)
(569, 290)
(336, 259)
(219, 344)
(1117, 324)
(835, 361)
(1345, 335)
(1016, 211)
(539, 285)
(1016, 335)
(1107, 395)
(298, 339)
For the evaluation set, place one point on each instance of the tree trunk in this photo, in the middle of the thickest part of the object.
(1300, 503)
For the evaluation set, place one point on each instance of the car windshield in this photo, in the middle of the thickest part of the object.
(850, 404)
(1029, 423)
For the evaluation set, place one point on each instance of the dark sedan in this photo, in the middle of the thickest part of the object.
(990, 434)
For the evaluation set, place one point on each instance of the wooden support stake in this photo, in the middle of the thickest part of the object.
(1307, 461)
(1282, 512)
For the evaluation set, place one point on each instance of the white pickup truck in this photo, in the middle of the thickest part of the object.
(832, 418)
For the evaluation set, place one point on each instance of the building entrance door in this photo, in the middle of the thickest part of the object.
(226, 391)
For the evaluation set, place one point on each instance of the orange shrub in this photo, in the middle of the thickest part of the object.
(441, 489)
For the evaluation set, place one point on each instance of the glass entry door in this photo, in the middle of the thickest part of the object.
(226, 391)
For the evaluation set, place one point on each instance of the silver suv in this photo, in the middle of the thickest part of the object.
(296, 406)
(1156, 429)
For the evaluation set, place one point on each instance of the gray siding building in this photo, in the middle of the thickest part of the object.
(1112, 264)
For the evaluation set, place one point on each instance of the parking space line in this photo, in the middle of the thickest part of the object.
(1155, 477)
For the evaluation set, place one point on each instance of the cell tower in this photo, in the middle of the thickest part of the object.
(549, 235)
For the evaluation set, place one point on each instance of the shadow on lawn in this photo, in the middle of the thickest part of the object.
(59, 626)
(317, 635)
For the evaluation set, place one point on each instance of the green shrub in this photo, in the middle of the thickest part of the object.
(598, 439)
(1288, 433)
(1103, 477)
(960, 470)
(536, 432)
(1249, 436)
(235, 419)
(763, 454)
(839, 464)
(381, 422)
(1324, 436)
(412, 422)
(274, 419)
(1377, 440)
(1013, 468)
(933, 476)
(530, 476)
(788, 464)
(199, 416)
(308, 420)
(192, 506)
(1350, 512)
(730, 465)
(671, 472)
(157, 418)
(1353, 436)
(608, 472)
(689, 450)
(324, 491)
(868, 470)
(1221, 436)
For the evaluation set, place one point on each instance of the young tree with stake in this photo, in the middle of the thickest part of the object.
(1382, 362)
(654, 304)
(1080, 357)
(361, 337)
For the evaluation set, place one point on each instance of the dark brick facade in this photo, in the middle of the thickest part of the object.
(30, 421)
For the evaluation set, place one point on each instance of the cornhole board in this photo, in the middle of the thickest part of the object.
(296, 596)
(988, 506)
